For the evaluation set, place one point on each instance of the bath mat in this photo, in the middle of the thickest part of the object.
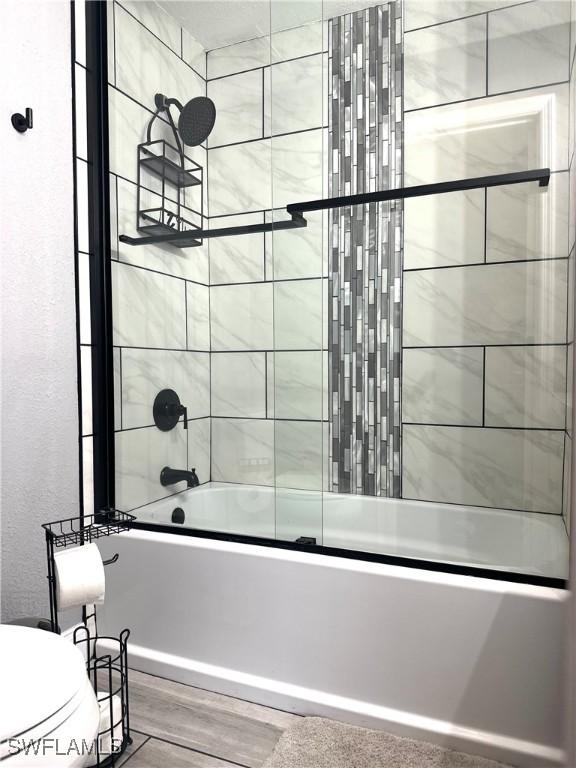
(315, 742)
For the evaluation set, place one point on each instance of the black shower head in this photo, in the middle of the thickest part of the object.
(196, 118)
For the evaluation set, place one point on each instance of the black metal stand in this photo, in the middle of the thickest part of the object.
(108, 673)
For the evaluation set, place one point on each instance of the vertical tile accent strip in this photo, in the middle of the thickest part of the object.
(365, 128)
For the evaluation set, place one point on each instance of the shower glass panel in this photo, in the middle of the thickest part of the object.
(395, 378)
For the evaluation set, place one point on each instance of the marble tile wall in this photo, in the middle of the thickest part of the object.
(161, 302)
(267, 292)
(487, 325)
(569, 435)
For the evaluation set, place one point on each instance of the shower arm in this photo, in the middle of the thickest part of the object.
(297, 210)
(163, 105)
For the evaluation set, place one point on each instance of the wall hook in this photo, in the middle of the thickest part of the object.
(113, 559)
(20, 122)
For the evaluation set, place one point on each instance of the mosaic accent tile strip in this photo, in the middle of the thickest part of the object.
(365, 129)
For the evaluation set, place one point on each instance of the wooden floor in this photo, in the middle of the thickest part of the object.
(176, 726)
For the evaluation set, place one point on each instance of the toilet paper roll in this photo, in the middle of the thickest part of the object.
(105, 744)
(79, 576)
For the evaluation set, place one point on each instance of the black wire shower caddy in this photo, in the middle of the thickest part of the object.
(107, 671)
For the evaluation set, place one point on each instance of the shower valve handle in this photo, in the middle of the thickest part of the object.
(167, 410)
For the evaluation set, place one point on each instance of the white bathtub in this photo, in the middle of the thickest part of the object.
(476, 664)
(490, 538)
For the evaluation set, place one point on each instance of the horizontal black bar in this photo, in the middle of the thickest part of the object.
(353, 554)
(295, 222)
(541, 175)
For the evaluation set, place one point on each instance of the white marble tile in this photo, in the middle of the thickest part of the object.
(199, 448)
(80, 112)
(117, 389)
(499, 134)
(297, 94)
(239, 384)
(303, 12)
(240, 178)
(445, 63)
(149, 309)
(241, 317)
(198, 316)
(88, 473)
(80, 31)
(146, 372)
(144, 66)
(239, 106)
(442, 386)
(504, 468)
(193, 53)
(82, 206)
(238, 57)
(297, 252)
(516, 303)
(421, 13)
(296, 168)
(299, 448)
(191, 263)
(567, 490)
(155, 19)
(299, 41)
(299, 385)
(298, 314)
(444, 230)
(572, 206)
(140, 456)
(84, 298)
(237, 259)
(111, 42)
(526, 387)
(526, 221)
(243, 451)
(528, 45)
(86, 384)
(572, 130)
(113, 190)
(570, 390)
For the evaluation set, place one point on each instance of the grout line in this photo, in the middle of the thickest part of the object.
(488, 96)
(486, 54)
(484, 387)
(487, 264)
(268, 137)
(262, 66)
(157, 272)
(504, 427)
(462, 18)
(121, 390)
(480, 346)
(160, 39)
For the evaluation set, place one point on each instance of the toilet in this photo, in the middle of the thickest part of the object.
(47, 705)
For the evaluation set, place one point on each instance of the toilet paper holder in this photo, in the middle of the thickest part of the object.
(76, 531)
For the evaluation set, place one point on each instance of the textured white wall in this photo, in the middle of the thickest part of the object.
(39, 424)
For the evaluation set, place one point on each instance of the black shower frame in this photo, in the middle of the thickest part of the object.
(102, 329)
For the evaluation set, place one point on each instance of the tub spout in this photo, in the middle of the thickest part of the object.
(170, 476)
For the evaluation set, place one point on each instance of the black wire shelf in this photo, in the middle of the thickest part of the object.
(75, 530)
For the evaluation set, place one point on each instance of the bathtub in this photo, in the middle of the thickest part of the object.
(472, 663)
(500, 539)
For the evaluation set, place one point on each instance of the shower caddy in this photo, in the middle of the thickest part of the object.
(108, 672)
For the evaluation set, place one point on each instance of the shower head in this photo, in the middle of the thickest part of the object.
(196, 118)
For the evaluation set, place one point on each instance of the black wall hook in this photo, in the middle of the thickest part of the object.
(20, 122)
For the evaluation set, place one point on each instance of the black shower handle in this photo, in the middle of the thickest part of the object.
(185, 414)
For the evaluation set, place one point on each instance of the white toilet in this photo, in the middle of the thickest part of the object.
(47, 704)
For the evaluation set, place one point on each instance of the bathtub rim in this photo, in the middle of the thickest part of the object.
(455, 569)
